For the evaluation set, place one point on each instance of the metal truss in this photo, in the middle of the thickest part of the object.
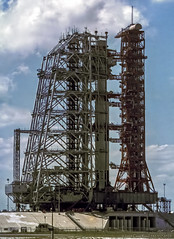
(133, 174)
(66, 162)
(66, 129)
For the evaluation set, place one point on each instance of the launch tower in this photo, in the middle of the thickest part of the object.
(133, 174)
(66, 161)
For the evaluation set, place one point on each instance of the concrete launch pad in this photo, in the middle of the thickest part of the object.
(74, 221)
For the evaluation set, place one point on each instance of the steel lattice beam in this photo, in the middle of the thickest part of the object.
(133, 174)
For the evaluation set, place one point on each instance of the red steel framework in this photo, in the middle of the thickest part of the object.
(133, 174)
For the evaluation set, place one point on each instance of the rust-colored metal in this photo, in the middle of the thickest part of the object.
(133, 174)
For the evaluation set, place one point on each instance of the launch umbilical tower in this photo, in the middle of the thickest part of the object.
(66, 161)
(133, 172)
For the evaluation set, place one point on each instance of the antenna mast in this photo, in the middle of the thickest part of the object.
(132, 15)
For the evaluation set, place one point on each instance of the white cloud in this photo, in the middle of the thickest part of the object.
(162, 1)
(29, 25)
(5, 145)
(12, 115)
(7, 81)
(160, 160)
(160, 154)
(21, 69)
(6, 155)
(6, 84)
(6, 149)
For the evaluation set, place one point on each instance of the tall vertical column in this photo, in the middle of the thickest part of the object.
(133, 175)
(101, 122)
(102, 164)
(16, 156)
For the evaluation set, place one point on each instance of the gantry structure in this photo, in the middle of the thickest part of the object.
(67, 151)
(66, 161)
(133, 174)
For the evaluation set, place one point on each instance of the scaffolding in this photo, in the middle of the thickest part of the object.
(133, 174)
(66, 162)
(67, 151)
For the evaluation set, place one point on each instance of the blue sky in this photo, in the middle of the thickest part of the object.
(29, 29)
